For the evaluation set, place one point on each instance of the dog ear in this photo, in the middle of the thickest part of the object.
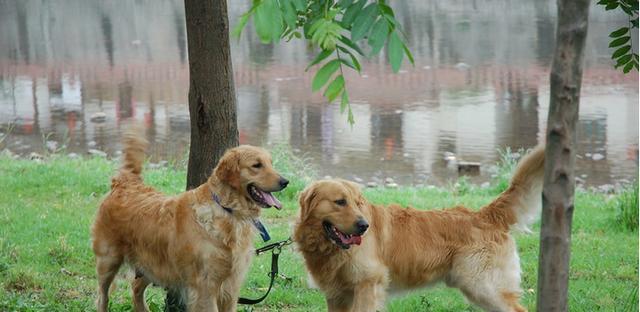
(228, 169)
(306, 198)
(355, 189)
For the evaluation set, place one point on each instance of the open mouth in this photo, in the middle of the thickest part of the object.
(262, 198)
(339, 238)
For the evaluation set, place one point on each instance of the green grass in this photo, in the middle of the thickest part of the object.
(627, 207)
(46, 263)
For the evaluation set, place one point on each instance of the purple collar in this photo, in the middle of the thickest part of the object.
(256, 222)
(217, 200)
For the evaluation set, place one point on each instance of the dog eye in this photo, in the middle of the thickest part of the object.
(257, 165)
(341, 202)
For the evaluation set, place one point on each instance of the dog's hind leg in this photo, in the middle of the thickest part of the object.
(107, 268)
(138, 286)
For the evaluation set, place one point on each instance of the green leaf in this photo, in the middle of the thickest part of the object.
(300, 5)
(268, 21)
(378, 36)
(621, 51)
(627, 68)
(354, 59)
(276, 20)
(319, 58)
(262, 22)
(344, 102)
(348, 63)
(350, 116)
(289, 14)
(624, 60)
(618, 42)
(324, 73)
(603, 2)
(396, 51)
(316, 25)
(363, 22)
(611, 6)
(350, 44)
(407, 52)
(619, 32)
(386, 10)
(351, 13)
(334, 88)
(237, 30)
(345, 3)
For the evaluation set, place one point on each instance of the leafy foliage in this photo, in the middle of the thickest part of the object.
(624, 55)
(339, 29)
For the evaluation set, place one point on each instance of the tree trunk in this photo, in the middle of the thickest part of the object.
(212, 101)
(559, 181)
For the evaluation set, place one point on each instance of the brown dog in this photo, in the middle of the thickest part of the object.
(398, 249)
(198, 243)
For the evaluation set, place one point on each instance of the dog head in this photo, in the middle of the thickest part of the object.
(248, 170)
(337, 208)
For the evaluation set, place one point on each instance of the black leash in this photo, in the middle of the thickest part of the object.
(275, 248)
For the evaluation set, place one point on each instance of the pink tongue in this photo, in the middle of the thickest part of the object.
(354, 239)
(271, 200)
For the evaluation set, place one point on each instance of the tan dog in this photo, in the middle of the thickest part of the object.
(357, 252)
(199, 242)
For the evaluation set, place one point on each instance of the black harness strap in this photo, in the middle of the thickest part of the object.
(275, 248)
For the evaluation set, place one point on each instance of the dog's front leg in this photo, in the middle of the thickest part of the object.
(341, 302)
(367, 296)
(203, 299)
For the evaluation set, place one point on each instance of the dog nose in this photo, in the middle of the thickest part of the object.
(362, 225)
(283, 182)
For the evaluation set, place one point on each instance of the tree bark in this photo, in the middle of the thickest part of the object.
(212, 101)
(559, 181)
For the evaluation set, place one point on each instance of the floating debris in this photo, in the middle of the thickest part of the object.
(98, 117)
(468, 168)
(462, 66)
(96, 152)
(35, 156)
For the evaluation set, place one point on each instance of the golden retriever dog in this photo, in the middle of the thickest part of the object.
(357, 252)
(198, 243)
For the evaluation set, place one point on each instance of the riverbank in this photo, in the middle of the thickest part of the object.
(47, 205)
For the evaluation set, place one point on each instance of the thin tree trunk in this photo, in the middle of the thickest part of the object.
(559, 181)
(212, 101)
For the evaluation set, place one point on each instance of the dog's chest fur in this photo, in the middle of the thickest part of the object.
(222, 227)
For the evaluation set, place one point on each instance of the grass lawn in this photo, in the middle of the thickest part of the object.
(46, 262)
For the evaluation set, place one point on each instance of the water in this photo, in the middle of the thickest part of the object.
(480, 82)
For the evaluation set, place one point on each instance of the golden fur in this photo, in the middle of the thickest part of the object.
(405, 248)
(186, 242)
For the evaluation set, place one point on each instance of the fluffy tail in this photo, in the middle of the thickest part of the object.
(133, 153)
(519, 206)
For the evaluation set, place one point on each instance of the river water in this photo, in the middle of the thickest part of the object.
(479, 84)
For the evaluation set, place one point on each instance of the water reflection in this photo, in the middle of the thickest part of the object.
(72, 72)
